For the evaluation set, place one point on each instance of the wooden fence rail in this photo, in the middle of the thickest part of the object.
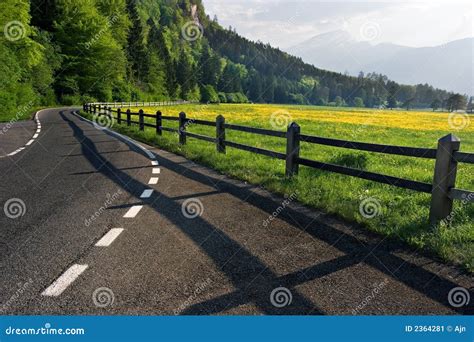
(446, 155)
(141, 103)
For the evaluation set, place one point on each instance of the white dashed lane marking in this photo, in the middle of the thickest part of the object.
(66, 279)
(38, 130)
(133, 211)
(108, 238)
(146, 193)
(153, 180)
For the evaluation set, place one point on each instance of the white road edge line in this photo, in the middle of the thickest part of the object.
(156, 171)
(146, 193)
(154, 163)
(133, 211)
(66, 279)
(153, 180)
(147, 152)
(30, 142)
(108, 238)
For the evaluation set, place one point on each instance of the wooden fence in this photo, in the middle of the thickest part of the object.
(447, 154)
(140, 103)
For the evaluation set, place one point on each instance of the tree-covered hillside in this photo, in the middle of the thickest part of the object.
(70, 51)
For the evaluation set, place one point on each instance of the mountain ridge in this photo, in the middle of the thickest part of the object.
(404, 64)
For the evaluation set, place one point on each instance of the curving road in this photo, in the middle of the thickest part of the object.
(98, 225)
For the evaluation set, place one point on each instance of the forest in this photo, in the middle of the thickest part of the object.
(73, 51)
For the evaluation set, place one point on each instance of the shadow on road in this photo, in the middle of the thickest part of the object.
(252, 279)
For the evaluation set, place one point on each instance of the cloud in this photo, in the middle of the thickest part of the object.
(285, 23)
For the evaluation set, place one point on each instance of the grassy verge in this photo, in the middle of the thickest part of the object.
(401, 214)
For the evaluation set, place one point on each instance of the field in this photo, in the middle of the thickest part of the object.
(402, 214)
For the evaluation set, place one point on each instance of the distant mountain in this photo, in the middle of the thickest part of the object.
(449, 66)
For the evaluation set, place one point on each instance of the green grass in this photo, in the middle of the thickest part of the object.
(403, 213)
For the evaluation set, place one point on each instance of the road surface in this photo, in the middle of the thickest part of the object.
(93, 224)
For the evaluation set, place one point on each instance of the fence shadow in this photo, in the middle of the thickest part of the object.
(249, 275)
(381, 254)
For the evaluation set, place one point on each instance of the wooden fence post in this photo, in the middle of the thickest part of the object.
(141, 120)
(292, 149)
(220, 134)
(159, 123)
(182, 128)
(128, 117)
(95, 109)
(444, 178)
(109, 114)
(119, 116)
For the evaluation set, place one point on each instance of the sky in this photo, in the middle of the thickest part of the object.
(284, 23)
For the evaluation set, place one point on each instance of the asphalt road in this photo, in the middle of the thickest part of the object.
(100, 228)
